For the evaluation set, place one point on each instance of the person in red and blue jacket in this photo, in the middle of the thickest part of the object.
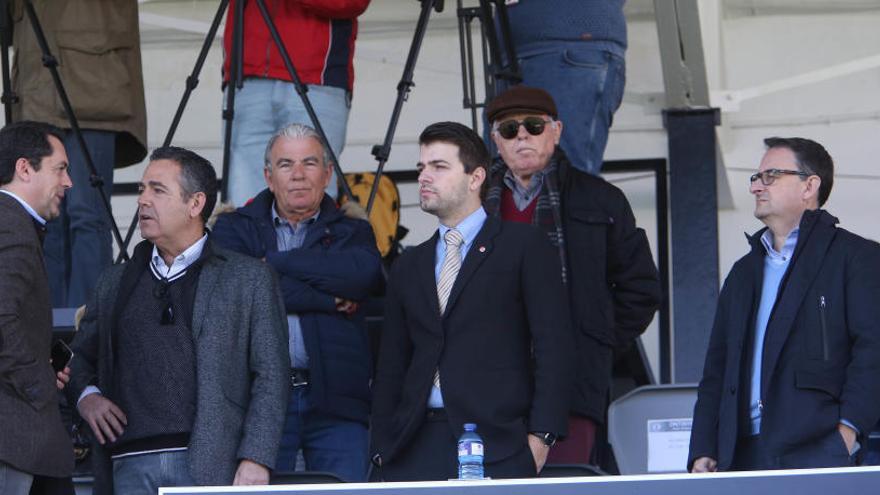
(319, 36)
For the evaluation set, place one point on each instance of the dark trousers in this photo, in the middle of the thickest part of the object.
(748, 455)
(828, 451)
(577, 447)
(78, 243)
(432, 455)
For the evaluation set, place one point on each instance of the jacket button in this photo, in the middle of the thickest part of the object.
(732, 390)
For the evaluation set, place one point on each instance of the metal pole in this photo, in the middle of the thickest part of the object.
(383, 152)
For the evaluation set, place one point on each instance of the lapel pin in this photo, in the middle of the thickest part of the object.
(482, 249)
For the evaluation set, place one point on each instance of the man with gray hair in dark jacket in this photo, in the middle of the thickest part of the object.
(180, 369)
(327, 264)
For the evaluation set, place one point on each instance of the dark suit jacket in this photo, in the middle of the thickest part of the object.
(507, 303)
(242, 367)
(32, 437)
(821, 359)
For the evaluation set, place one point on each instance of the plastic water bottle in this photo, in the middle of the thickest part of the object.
(470, 454)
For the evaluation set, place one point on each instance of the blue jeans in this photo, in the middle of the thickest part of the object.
(263, 106)
(13, 481)
(329, 444)
(78, 245)
(587, 84)
(145, 473)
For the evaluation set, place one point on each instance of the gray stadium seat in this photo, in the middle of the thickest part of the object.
(628, 419)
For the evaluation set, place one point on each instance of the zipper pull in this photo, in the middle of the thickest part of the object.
(822, 302)
(761, 405)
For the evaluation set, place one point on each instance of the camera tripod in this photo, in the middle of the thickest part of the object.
(499, 57)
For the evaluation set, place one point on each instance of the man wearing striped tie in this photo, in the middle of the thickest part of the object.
(476, 331)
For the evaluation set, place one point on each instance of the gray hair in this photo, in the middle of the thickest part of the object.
(295, 131)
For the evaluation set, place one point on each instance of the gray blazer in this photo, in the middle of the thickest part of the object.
(32, 437)
(242, 364)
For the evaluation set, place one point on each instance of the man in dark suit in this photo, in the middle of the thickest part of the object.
(792, 373)
(476, 331)
(180, 367)
(33, 179)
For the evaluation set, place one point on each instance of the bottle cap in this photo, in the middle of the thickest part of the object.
(470, 427)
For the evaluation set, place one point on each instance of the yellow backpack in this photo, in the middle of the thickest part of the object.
(385, 218)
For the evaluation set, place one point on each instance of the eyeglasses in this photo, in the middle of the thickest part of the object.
(510, 128)
(769, 176)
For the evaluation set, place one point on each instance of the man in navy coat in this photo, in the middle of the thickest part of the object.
(792, 374)
(327, 263)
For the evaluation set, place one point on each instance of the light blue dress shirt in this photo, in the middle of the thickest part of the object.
(469, 228)
(775, 265)
(26, 206)
(291, 236)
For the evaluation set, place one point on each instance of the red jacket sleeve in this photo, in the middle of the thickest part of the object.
(335, 9)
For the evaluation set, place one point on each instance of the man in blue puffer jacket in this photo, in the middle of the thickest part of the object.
(326, 263)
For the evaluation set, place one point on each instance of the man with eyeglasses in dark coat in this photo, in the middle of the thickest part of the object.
(792, 373)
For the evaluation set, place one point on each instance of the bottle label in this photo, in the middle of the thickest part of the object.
(470, 448)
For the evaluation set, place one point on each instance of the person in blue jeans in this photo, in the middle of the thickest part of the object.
(79, 243)
(327, 263)
(574, 50)
(319, 36)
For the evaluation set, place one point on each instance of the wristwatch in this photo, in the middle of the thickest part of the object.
(548, 438)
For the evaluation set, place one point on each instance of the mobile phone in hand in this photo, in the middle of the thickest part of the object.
(61, 355)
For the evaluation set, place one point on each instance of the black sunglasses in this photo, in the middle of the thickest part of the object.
(510, 128)
(161, 292)
(769, 176)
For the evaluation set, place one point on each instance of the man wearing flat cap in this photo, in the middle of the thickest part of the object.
(607, 267)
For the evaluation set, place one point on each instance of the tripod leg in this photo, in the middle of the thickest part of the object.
(512, 72)
(9, 98)
(301, 89)
(193, 80)
(235, 81)
(52, 64)
(383, 152)
(467, 67)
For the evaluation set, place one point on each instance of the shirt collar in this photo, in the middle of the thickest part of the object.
(26, 206)
(787, 250)
(469, 227)
(278, 220)
(181, 262)
(534, 184)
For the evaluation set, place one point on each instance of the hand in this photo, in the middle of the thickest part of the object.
(251, 473)
(105, 417)
(62, 378)
(849, 437)
(705, 465)
(353, 209)
(346, 306)
(539, 451)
